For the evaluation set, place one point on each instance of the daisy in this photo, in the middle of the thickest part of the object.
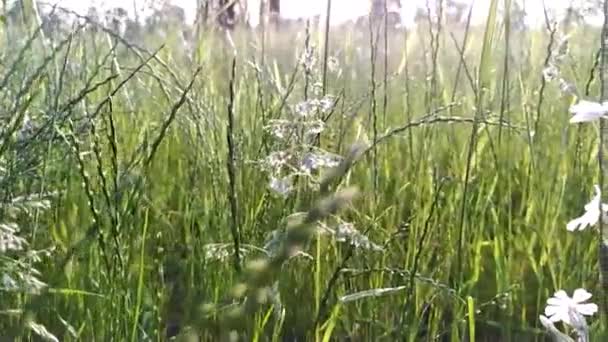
(587, 111)
(559, 306)
(591, 215)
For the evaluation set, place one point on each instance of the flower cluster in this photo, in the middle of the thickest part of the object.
(561, 307)
(298, 154)
(552, 72)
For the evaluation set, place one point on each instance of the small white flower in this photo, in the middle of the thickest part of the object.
(587, 111)
(280, 129)
(559, 306)
(333, 65)
(550, 73)
(314, 127)
(276, 160)
(281, 186)
(567, 87)
(591, 215)
(314, 161)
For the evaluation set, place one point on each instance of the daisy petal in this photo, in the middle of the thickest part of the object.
(581, 295)
(575, 223)
(545, 321)
(561, 294)
(586, 111)
(587, 309)
(583, 117)
(551, 310)
(561, 316)
(556, 301)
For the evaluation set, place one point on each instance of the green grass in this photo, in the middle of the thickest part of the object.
(471, 213)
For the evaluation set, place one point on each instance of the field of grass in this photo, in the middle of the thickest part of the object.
(384, 186)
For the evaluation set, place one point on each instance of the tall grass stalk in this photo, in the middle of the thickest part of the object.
(603, 242)
(231, 164)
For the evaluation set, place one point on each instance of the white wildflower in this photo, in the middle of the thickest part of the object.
(313, 106)
(591, 215)
(280, 129)
(346, 232)
(308, 60)
(559, 306)
(326, 104)
(314, 161)
(333, 65)
(563, 48)
(9, 240)
(8, 283)
(41, 331)
(222, 251)
(315, 127)
(305, 108)
(587, 111)
(550, 73)
(567, 87)
(281, 186)
(276, 160)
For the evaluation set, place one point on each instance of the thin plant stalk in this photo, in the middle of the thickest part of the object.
(232, 196)
(603, 243)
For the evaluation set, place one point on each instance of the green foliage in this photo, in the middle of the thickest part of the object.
(113, 167)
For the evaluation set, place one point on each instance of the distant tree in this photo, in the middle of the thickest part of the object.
(54, 23)
(227, 14)
(275, 6)
(165, 19)
(274, 11)
(517, 16)
(116, 19)
(133, 31)
(420, 16)
(577, 10)
(455, 12)
(392, 9)
(14, 13)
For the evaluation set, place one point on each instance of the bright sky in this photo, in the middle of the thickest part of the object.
(342, 10)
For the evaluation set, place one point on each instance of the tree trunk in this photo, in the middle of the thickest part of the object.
(275, 6)
(274, 11)
(227, 16)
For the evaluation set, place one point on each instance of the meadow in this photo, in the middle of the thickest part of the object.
(299, 184)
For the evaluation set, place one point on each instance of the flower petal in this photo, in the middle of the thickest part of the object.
(561, 294)
(557, 301)
(589, 218)
(595, 201)
(561, 316)
(587, 309)
(585, 111)
(583, 117)
(551, 310)
(546, 322)
(575, 223)
(581, 295)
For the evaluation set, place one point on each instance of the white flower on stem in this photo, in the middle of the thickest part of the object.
(281, 186)
(550, 73)
(317, 160)
(587, 111)
(591, 215)
(559, 306)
